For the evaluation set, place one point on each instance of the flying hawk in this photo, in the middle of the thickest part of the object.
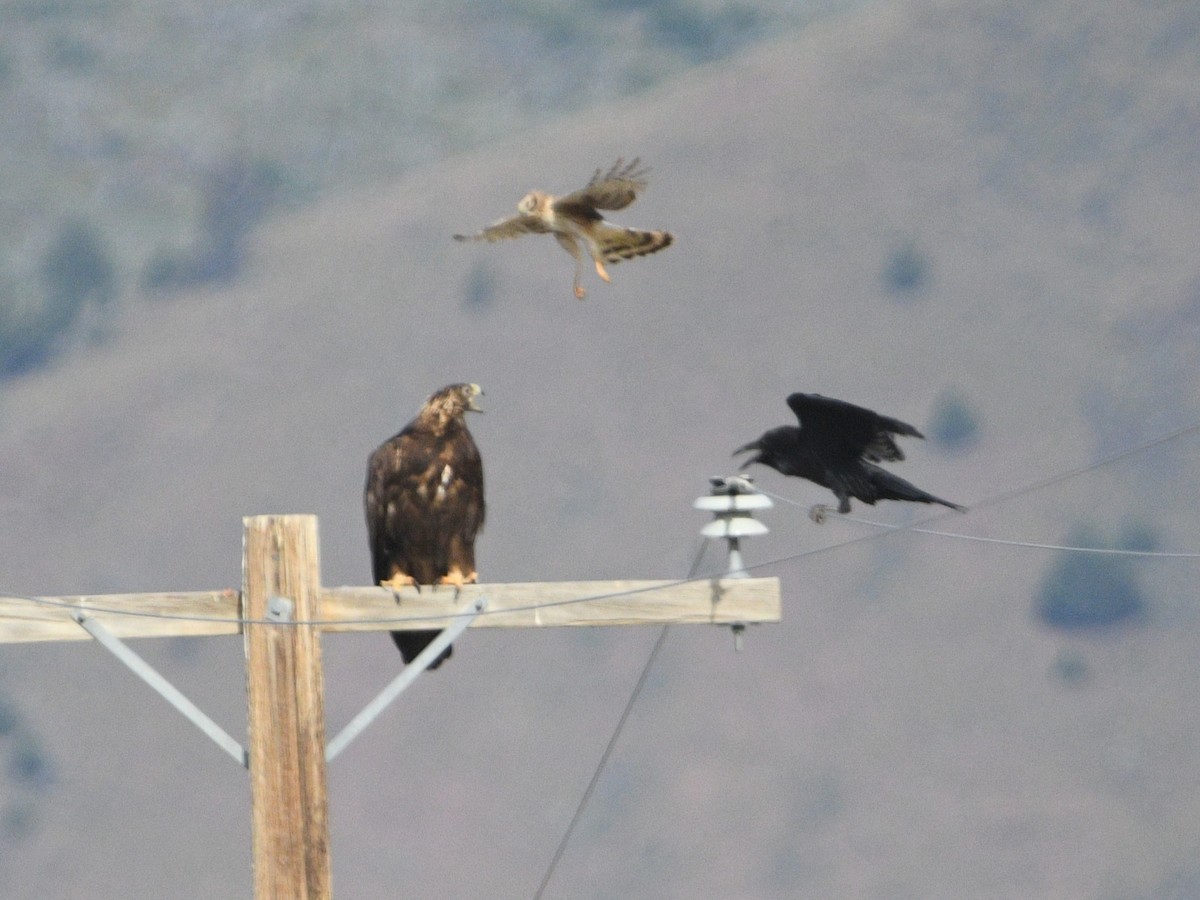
(424, 504)
(574, 219)
(837, 446)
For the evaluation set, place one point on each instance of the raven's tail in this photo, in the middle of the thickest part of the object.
(892, 487)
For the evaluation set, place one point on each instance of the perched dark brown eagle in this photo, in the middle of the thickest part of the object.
(837, 446)
(424, 503)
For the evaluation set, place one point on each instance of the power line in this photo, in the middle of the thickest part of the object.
(1002, 497)
(612, 741)
(998, 498)
(600, 766)
(884, 529)
(1111, 551)
(1006, 542)
(1150, 444)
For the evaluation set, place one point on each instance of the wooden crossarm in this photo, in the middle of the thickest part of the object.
(519, 605)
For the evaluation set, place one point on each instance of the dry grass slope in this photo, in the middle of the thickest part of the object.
(906, 731)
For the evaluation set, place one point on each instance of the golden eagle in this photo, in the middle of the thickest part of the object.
(837, 446)
(424, 504)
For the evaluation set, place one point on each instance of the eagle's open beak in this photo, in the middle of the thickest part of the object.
(473, 406)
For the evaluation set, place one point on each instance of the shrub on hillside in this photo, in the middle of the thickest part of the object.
(906, 270)
(953, 424)
(28, 764)
(76, 270)
(235, 196)
(1092, 590)
(702, 35)
(479, 292)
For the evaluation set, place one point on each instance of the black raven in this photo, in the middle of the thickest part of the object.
(837, 446)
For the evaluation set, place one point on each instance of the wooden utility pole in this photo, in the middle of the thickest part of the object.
(281, 610)
(281, 581)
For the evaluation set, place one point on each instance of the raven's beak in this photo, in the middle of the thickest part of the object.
(753, 445)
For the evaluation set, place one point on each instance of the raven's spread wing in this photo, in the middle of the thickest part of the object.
(614, 189)
(841, 432)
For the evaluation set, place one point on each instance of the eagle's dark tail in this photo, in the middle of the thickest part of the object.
(413, 642)
(891, 487)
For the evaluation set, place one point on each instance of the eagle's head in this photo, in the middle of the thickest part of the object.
(451, 402)
(533, 203)
(468, 394)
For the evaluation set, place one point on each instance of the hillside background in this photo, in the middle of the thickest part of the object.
(227, 276)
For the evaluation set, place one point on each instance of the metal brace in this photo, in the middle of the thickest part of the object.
(463, 618)
(280, 609)
(169, 692)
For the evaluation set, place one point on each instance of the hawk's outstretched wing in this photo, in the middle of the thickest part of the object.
(578, 226)
(507, 228)
(614, 189)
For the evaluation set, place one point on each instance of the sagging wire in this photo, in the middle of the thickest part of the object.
(612, 741)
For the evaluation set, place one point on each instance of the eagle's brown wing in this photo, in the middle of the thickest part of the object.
(398, 516)
(461, 511)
